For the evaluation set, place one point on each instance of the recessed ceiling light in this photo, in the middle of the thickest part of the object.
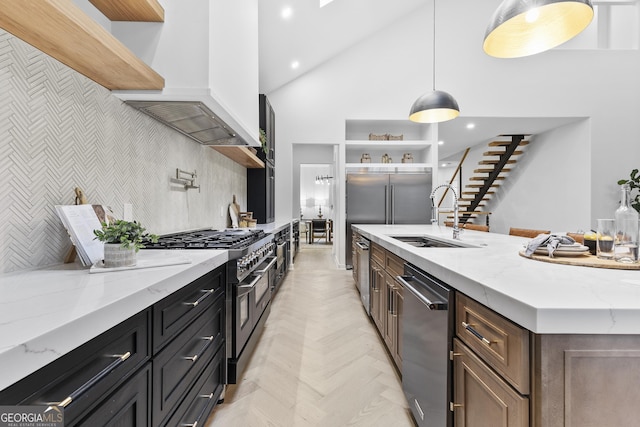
(444, 165)
(440, 142)
(471, 125)
(295, 64)
(287, 12)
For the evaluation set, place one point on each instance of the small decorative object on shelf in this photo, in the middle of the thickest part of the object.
(374, 137)
(122, 240)
(407, 158)
(386, 159)
(395, 137)
(366, 158)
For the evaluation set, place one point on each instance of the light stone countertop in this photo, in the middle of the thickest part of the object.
(46, 313)
(542, 297)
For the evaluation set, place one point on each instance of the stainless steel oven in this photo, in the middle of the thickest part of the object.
(250, 308)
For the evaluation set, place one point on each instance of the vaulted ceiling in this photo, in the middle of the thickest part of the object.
(301, 31)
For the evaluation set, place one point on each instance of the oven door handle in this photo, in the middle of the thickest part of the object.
(252, 284)
(268, 267)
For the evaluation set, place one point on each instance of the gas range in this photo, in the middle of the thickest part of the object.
(247, 247)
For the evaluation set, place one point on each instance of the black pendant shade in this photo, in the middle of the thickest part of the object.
(433, 107)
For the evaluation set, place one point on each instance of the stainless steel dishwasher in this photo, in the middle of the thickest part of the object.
(362, 252)
(426, 343)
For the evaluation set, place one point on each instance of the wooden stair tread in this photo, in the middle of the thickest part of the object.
(506, 143)
(480, 185)
(500, 153)
(475, 192)
(470, 199)
(494, 162)
(489, 170)
(484, 178)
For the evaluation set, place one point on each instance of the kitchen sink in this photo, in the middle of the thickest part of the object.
(430, 242)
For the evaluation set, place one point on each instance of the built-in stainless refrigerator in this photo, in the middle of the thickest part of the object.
(401, 198)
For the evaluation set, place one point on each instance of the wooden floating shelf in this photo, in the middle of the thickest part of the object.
(241, 155)
(130, 10)
(63, 31)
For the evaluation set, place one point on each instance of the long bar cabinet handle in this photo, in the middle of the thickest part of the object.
(475, 333)
(207, 292)
(95, 379)
(193, 358)
(196, 423)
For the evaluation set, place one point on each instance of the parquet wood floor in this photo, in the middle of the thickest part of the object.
(319, 361)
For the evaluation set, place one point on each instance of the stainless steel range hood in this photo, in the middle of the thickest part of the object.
(192, 119)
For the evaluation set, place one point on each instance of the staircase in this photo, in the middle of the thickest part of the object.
(492, 170)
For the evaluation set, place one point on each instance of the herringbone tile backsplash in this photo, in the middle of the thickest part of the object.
(60, 130)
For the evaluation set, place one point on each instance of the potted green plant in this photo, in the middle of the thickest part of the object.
(263, 140)
(634, 184)
(122, 240)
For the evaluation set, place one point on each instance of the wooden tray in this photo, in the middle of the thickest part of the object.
(585, 261)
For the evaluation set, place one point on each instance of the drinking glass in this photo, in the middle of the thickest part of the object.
(606, 235)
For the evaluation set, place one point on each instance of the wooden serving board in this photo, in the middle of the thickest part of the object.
(584, 261)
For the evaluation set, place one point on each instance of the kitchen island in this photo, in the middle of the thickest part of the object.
(542, 297)
(532, 343)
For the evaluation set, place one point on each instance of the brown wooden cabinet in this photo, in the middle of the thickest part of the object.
(491, 368)
(387, 299)
(376, 294)
(481, 397)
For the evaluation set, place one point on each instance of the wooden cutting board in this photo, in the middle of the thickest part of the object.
(584, 261)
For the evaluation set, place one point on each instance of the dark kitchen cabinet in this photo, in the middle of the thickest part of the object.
(261, 182)
(90, 373)
(162, 365)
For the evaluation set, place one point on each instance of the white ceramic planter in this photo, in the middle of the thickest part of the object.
(117, 256)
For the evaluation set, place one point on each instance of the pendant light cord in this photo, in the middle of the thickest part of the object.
(434, 45)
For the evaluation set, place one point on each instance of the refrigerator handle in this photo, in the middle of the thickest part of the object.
(386, 204)
(393, 206)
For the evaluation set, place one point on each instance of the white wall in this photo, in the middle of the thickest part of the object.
(547, 188)
(381, 77)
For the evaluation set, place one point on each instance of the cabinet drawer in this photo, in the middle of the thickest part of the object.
(394, 265)
(178, 365)
(481, 397)
(101, 363)
(197, 405)
(378, 253)
(128, 406)
(502, 344)
(172, 314)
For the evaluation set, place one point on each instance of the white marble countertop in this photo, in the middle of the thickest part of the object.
(542, 297)
(48, 312)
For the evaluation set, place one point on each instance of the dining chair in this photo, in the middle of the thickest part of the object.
(527, 232)
(318, 229)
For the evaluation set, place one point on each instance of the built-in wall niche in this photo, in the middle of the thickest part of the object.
(416, 143)
(317, 188)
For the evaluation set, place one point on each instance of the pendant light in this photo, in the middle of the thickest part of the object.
(435, 106)
(526, 27)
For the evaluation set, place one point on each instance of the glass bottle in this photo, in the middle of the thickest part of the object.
(626, 239)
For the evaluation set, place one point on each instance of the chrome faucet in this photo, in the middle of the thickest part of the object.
(434, 210)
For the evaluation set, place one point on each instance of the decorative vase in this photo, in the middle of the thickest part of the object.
(117, 256)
